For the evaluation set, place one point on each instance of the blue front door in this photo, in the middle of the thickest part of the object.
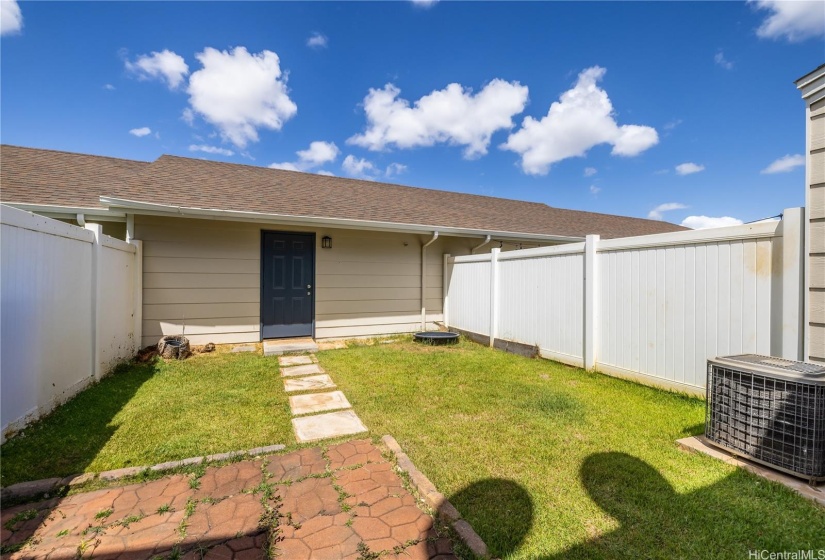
(287, 284)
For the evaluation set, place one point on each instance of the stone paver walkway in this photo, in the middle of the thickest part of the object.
(301, 373)
(344, 502)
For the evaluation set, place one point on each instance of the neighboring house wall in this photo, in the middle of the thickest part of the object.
(66, 315)
(816, 232)
(205, 274)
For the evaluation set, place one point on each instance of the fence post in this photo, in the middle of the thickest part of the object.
(96, 281)
(137, 295)
(494, 295)
(445, 291)
(792, 275)
(590, 302)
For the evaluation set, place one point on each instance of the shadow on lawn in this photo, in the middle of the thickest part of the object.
(657, 522)
(505, 511)
(79, 429)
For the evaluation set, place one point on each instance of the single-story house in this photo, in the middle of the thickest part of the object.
(238, 253)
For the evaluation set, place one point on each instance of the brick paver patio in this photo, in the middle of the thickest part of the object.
(341, 502)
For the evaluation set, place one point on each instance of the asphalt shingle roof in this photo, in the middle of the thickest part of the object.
(35, 176)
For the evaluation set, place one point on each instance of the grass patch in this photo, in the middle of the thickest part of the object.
(143, 414)
(549, 461)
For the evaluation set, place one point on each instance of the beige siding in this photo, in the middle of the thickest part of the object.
(205, 274)
(816, 207)
(816, 232)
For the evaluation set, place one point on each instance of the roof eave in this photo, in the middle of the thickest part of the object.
(149, 208)
(812, 86)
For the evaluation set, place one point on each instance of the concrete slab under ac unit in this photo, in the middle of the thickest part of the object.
(311, 383)
(330, 425)
(295, 371)
(277, 347)
(318, 402)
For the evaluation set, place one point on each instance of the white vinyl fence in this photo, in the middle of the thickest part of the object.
(67, 311)
(653, 308)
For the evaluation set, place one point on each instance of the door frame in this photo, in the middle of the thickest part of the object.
(314, 237)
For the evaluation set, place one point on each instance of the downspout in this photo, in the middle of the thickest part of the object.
(81, 220)
(485, 242)
(424, 280)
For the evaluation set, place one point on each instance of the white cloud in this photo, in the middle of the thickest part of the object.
(325, 172)
(582, 118)
(11, 18)
(316, 155)
(594, 190)
(705, 222)
(211, 150)
(239, 93)
(657, 213)
(720, 60)
(188, 116)
(317, 41)
(285, 165)
(395, 169)
(358, 167)
(451, 115)
(425, 3)
(319, 153)
(109, 87)
(689, 168)
(165, 66)
(793, 20)
(589, 171)
(785, 164)
(141, 132)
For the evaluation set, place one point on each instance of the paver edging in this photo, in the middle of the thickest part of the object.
(36, 488)
(436, 500)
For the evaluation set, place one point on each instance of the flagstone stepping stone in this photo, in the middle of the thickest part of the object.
(245, 348)
(284, 361)
(318, 402)
(312, 383)
(308, 369)
(329, 425)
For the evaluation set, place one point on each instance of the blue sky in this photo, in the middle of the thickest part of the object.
(661, 109)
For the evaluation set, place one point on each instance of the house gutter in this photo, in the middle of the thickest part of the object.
(424, 280)
(148, 208)
(483, 243)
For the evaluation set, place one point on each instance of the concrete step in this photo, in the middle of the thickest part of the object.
(280, 346)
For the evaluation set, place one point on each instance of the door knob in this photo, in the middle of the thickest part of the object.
(309, 286)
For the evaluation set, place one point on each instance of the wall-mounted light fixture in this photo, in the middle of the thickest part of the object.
(326, 242)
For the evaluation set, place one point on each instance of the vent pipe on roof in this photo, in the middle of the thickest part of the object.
(485, 242)
(424, 280)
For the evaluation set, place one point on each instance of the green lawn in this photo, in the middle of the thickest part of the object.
(544, 460)
(145, 414)
(549, 461)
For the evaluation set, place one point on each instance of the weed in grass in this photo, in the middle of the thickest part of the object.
(104, 513)
(126, 521)
(62, 533)
(11, 548)
(194, 483)
(364, 552)
(165, 508)
(20, 517)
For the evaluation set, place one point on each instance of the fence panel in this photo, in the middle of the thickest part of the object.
(469, 295)
(53, 319)
(541, 303)
(665, 310)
